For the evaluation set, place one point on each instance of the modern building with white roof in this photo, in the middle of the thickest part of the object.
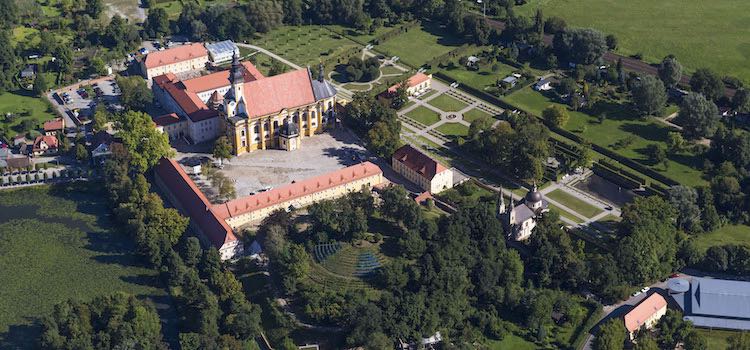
(222, 51)
(714, 303)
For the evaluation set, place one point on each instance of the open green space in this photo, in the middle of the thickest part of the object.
(27, 113)
(659, 28)
(387, 70)
(58, 243)
(358, 35)
(727, 234)
(453, 129)
(475, 114)
(428, 94)
(447, 103)
(424, 115)
(620, 124)
(304, 45)
(420, 44)
(482, 78)
(357, 87)
(716, 338)
(173, 8)
(565, 214)
(574, 203)
(511, 341)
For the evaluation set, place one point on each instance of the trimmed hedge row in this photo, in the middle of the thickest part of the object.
(614, 176)
(623, 172)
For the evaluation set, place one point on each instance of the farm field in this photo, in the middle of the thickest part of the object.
(420, 44)
(424, 115)
(58, 243)
(574, 203)
(619, 125)
(29, 113)
(304, 45)
(660, 28)
(447, 103)
(727, 234)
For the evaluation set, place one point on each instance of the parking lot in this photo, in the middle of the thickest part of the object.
(77, 99)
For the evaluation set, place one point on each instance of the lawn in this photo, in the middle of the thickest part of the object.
(475, 114)
(304, 45)
(572, 202)
(59, 243)
(619, 125)
(717, 339)
(29, 113)
(511, 341)
(453, 129)
(30, 36)
(447, 103)
(565, 214)
(420, 44)
(727, 234)
(424, 115)
(482, 78)
(660, 28)
(387, 70)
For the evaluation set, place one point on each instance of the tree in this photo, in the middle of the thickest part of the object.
(157, 22)
(611, 336)
(685, 200)
(656, 153)
(97, 66)
(383, 139)
(675, 142)
(707, 82)
(672, 329)
(292, 12)
(82, 155)
(649, 95)
(699, 116)
(695, 341)
(8, 14)
(222, 149)
(145, 144)
(646, 342)
(556, 115)
(378, 341)
(94, 8)
(101, 118)
(135, 93)
(670, 71)
(741, 101)
(401, 96)
(276, 68)
(566, 86)
(554, 25)
(583, 46)
(40, 84)
(265, 15)
(611, 42)
(191, 251)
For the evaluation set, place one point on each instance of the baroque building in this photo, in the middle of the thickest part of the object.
(520, 220)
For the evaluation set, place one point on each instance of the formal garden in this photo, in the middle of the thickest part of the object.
(58, 243)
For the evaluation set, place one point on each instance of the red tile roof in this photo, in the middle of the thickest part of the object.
(643, 311)
(273, 94)
(194, 203)
(174, 55)
(220, 79)
(418, 161)
(296, 190)
(423, 197)
(54, 125)
(167, 119)
(413, 81)
(51, 142)
(164, 78)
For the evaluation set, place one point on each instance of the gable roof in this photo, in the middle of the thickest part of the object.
(194, 203)
(419, 162)
(272, 94)
(51, 142)
(220, 79)
(54, 124)
(296, 190)
(645, 309)
(166, 119)
(174, 55)
(413, 81)
(720, 298)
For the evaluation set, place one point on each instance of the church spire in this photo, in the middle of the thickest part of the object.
(320, 72)
(236, 76)
(501, 203)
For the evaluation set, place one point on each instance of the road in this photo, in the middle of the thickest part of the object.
(269, 53)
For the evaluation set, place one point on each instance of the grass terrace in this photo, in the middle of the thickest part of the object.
(58, 243)
(424, 115)
(619, 125)
(447, 103)
(572, 202)
(304, 45)
(565, 214)
(420, 44)
(659, 28)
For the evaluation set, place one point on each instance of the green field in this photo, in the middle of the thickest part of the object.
(716, 339)
(475, 114)
(511, 342)
(420, 44)
(424, 115)
(701, 34)
(570, 201)
(59, 243)
(24, 107)
(565, 214)
(453, 129)
(482, 78)
(304, 45)
(727, 234)
(447, 103)
(619, 124)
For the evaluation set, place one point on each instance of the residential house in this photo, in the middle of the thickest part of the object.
(29, 72)
(55, 126)
(543, 84)
(45, 145)
(645, 314)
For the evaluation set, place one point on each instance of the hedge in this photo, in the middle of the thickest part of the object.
(614, 176)
(591, 321)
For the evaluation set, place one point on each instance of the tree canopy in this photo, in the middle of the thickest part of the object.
(699, 116)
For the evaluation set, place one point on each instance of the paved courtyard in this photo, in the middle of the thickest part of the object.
(319, 154)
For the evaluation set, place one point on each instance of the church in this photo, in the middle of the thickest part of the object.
(520, 220)
(253, 111)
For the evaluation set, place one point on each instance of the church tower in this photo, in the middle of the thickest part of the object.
(235, 99)
(501, 204)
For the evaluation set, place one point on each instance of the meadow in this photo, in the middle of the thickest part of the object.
(700, 33)
(727, 234)
(58, 243)
(420, 44)
(29, 112)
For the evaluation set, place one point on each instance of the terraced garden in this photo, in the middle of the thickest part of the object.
(340, 265)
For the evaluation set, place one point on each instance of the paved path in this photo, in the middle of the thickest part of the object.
(269, 53)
